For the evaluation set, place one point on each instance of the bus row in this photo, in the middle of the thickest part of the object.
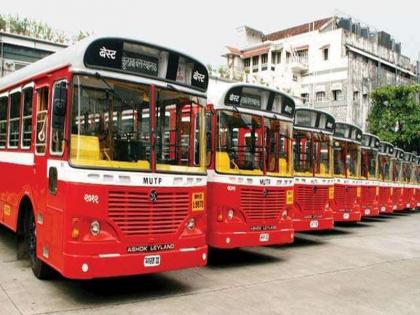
(119, 158)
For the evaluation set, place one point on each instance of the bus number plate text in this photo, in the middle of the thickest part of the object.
(264, 237)
(313, 224)
(152, 261)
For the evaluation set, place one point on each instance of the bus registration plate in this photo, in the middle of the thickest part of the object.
(367, 211)
(152, 261)
(313, 224)
(346, 216)
(264, 237)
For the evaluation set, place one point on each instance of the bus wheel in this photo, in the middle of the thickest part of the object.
(40, 269)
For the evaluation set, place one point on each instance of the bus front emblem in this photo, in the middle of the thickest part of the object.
(265, 192)
(153, 196)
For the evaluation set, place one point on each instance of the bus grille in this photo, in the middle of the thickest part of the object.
(396, 194)
(345, 197)
(256, 206)
(368, 195)
(135, 214)
(312, 201)
(384, 194)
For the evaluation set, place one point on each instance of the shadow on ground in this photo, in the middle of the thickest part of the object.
(235, 258)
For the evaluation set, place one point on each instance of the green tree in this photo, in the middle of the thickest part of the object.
(395, 116)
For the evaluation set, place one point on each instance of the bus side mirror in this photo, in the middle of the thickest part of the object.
(59, 105)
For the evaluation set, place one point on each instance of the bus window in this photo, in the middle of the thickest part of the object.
(352, 160)
(41, 120)
(14, 117)
(278, 135)
(239, 146)
(209, 138)
(176, 130)
(339, 159)
(303, 152)
(321, 154)
(58, 114)
(3, 121)
(110, 125)
(26, 136)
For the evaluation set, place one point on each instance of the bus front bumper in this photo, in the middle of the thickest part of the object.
(229, 240)
(347, 216)
(315, 224)
(116, 265)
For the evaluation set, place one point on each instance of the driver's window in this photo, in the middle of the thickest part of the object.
(59, 102)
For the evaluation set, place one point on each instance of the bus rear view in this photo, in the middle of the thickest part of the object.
(250, 183)
(314, 185)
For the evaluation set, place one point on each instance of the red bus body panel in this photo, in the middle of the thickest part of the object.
(346, 203)
(310, 211)
(368, 200)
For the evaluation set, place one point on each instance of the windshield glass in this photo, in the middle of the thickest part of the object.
(239, 143)
(311, 153)
(178, 137)
(384, 167)
(352, 159)
(110, 125)
(278, 143)
(369, 161)
(406, 172)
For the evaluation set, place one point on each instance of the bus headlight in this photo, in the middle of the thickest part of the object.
(230, 214)
(190, 225)
(95, 228)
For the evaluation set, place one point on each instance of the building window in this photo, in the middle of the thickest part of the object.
(287, 57)
(264, 59)
(355, 95)
(305, 97)
(26, 136)
(14, 120)
(255, 61)
(337, 95)
(247, 62)
(295, 78)
(275, 57)
(3, 121)
(365, 98)
(320, 96)
(325, 53)
(302, 56)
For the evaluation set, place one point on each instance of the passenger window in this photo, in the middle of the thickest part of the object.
(27, 119)
(3, 121)
(41, 120)
(58, 115)
(209, 137)
(14, 120)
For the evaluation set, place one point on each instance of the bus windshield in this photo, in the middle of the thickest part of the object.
(110, 126)
(239, 143)
(369, 161)
(346, 158)
(312, 153)
(278, 143)
(384, 167)
(406, 172)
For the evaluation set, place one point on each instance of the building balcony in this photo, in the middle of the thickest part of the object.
(299, 65)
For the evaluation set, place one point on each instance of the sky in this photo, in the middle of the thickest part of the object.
(203, 28)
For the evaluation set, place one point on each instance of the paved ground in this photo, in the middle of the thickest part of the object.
(369, 268)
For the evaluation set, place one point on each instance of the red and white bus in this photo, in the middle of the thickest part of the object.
(369, 172)
(347, 190)
(385, 155)
(313, 164)
(398, 202)
(109, 174)
(408, 179)
(250, 181)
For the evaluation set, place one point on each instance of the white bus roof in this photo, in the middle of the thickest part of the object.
(219, 89)
(73, 57)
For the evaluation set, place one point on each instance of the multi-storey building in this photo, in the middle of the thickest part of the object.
(17, 51)
(331, 64)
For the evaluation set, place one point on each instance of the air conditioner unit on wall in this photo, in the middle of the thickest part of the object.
(9, 66)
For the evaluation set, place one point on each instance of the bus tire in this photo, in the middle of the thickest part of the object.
(40, 269)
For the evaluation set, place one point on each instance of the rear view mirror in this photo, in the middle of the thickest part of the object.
(59, 105)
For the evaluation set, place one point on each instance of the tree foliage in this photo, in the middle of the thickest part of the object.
(395, 116)
(37, 29)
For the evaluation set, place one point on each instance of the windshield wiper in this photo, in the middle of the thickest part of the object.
(112, 90)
